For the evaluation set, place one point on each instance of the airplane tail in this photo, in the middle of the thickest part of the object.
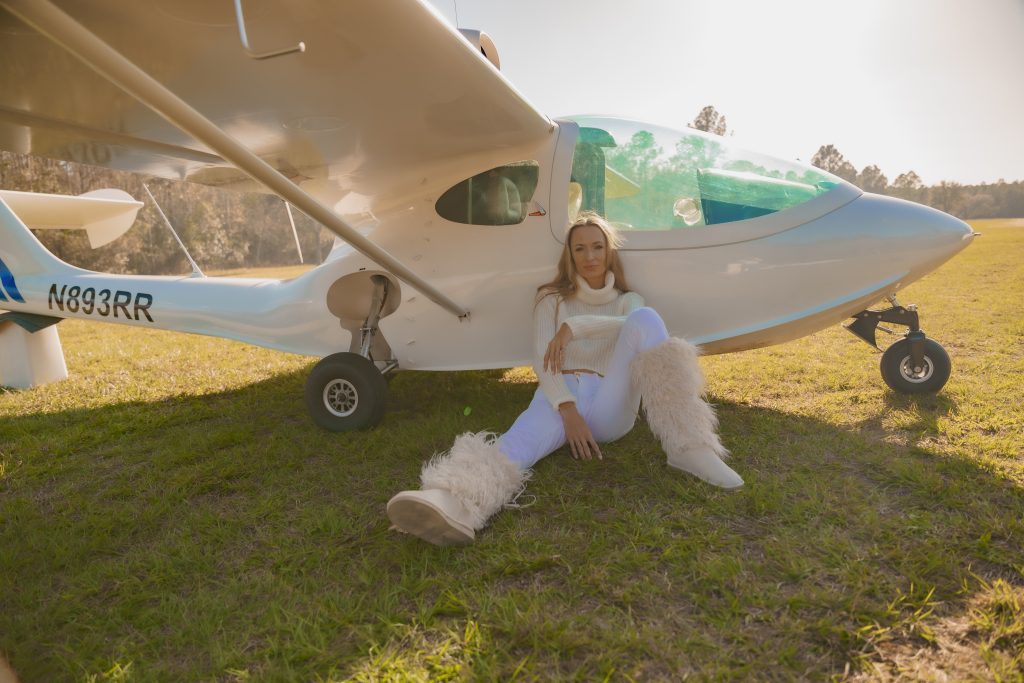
(104, 214)
(20, 252)
(30, 349)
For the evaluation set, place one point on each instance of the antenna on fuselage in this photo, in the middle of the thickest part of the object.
(195, 267)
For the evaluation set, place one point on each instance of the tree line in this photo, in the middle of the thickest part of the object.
(995, 200)
(222, 229)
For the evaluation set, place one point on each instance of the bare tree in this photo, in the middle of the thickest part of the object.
(908, 186)
(710, 120)
(946, 196)
(828, 158)
(871, 179)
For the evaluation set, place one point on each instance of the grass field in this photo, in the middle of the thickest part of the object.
(170, 513)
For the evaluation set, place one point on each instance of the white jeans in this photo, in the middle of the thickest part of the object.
(608, 404)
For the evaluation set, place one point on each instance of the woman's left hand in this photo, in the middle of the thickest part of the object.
(582, 443)
(555, 353)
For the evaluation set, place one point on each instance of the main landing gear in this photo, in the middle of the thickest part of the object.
(912, 365)
(348, 391)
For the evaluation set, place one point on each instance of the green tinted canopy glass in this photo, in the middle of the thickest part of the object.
(644, 177)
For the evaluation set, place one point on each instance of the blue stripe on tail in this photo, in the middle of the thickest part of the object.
(7, 278)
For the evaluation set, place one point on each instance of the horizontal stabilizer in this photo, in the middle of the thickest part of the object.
(105, 215)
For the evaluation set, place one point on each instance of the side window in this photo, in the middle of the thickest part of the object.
(498, 196)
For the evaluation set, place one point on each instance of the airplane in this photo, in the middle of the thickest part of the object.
(448, 191)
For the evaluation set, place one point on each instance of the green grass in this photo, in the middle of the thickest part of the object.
(170, 513)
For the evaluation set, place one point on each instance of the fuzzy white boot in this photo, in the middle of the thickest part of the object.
(462, 489)
(672, 385)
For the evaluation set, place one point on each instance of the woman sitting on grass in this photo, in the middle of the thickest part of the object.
(598, 352)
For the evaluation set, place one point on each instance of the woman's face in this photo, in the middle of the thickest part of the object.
(589, 254)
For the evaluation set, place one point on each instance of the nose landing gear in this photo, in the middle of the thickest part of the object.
(912, 365)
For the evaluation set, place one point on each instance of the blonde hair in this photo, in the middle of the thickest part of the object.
(564, 284)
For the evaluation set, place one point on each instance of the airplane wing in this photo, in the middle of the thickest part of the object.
(385, 96)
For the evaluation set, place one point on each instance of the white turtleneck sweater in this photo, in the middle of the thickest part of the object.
(595, 317)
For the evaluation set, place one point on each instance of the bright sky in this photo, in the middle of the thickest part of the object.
(934, 86)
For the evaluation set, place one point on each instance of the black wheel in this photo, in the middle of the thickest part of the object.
(346, 392)
(899, 373)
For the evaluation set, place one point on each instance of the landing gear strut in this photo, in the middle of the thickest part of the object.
(348, 391)
(912, 365)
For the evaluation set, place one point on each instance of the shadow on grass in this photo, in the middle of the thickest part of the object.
(926, 409)
(204, 535)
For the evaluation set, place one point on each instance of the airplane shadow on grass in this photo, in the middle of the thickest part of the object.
(832, 525)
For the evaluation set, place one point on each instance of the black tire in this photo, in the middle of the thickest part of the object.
(346, 392)
(900, 376)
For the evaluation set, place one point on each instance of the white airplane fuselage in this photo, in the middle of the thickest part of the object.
(728, 287)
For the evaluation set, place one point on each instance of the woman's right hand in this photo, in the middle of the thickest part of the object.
(555, 353)
(581, 441)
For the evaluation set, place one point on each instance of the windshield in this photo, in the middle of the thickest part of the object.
(645, 177)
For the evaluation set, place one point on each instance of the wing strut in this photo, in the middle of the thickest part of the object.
(295, 233)
(52, 22)
(196, 272)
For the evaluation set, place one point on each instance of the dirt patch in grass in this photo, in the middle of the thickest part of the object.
(981, 639)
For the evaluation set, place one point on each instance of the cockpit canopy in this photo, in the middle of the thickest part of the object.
(645, 177)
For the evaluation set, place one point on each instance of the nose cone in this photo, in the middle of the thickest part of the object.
(926, 237)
